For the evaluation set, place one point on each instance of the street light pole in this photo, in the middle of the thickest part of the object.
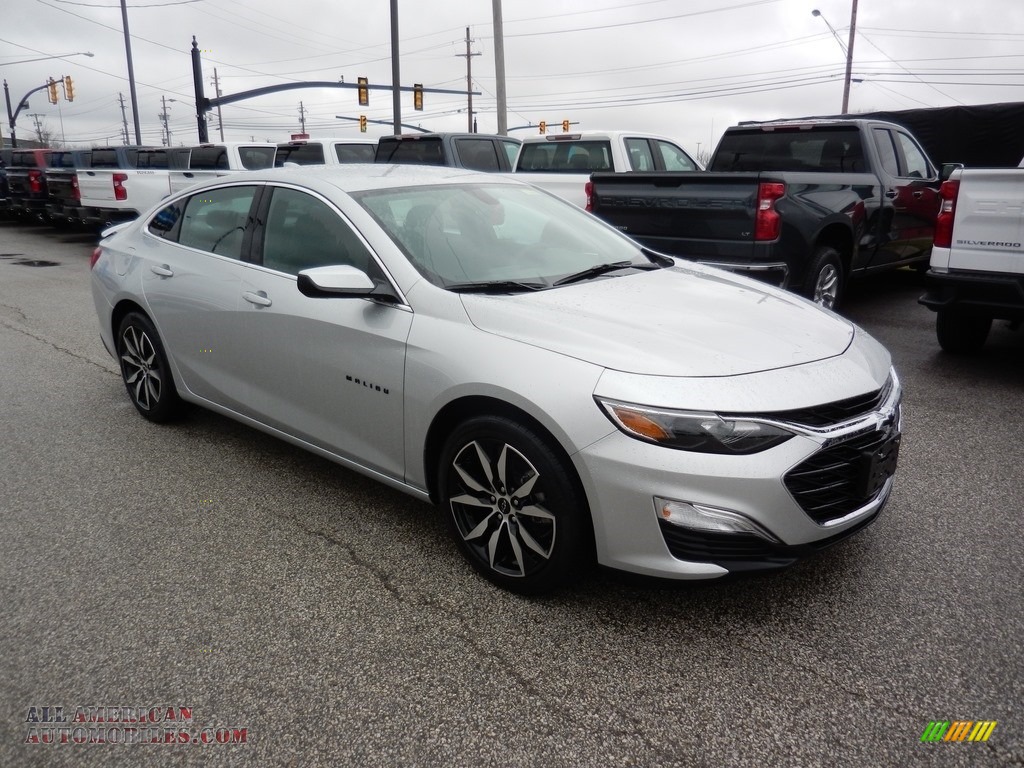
(849, 58)
(847, 50)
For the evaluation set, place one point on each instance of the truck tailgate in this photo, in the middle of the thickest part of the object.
(988, 235)
(96, 185)
(692, 215)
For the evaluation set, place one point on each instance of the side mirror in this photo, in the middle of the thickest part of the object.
(341, 281)
(948, 168)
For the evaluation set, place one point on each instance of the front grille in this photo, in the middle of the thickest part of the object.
(742, 551)
(841, 479)
(837, 412)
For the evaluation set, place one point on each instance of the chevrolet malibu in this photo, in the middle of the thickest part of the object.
(559, 391)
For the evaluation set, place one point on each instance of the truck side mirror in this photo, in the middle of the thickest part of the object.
(948, 168)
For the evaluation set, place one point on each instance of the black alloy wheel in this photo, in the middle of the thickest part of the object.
(144, 369)
(511, 505)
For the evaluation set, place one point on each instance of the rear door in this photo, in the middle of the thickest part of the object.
(910, 203)
(191, 262)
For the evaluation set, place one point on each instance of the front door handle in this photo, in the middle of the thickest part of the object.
(892, 194)
(258, 298)
(163, 270)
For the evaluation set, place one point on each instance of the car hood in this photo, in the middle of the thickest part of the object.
(668, 322)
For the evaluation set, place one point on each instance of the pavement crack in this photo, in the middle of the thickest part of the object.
(57, 347)
(22, 315)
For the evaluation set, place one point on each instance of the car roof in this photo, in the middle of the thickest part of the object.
(360, 177)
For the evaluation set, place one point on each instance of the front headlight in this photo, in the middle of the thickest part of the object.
(694, 431)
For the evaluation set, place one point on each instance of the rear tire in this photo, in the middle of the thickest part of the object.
(826, 279)
(145, 370)
(961, 334)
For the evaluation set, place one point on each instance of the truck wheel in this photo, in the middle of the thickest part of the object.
(825, 278)
(961, 334)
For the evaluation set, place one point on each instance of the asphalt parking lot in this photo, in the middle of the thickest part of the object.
(206, 578)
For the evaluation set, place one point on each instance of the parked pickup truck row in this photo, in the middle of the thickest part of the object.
(805, 205)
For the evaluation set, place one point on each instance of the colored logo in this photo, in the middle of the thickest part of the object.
(958, 730)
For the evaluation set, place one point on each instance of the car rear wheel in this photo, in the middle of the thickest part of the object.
(825, 278)
(961, 334)
(144, 369)
(511, 505)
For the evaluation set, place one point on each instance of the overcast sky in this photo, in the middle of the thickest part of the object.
(680, 68)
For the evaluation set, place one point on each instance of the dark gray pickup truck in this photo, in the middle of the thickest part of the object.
(805, 205)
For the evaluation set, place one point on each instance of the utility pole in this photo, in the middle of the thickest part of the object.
(131, 71)
(162, 117)
(124, 118)
(302, 118)
(216, 89)
(469, 78)
(39, 126)
(499, 67)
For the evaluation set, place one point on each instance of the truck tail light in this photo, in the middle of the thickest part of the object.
(947, 210)
(120, 193)
(76, 193)
(588, 190)
(768, 223)
(35, 182)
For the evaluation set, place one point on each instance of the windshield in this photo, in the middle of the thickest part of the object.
(466, 234)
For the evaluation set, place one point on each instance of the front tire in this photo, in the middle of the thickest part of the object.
(826, 280)
(511, 505)
(145, 370)
(961, 334)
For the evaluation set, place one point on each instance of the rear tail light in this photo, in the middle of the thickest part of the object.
(76, 193)
(588, 190)
(35, 182)
(120, 193)
(767, 222)
(97, 252)
(947, 210)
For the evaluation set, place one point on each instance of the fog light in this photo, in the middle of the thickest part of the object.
(702, 518)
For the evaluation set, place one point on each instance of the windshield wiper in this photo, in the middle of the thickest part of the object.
(601, 269)
(496, 286)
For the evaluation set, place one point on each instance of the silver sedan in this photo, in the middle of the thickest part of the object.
(562, 393)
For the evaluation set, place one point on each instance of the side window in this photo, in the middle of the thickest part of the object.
(355, 153)
(165, 223)
(303, 231)
(886, 151)
(215, 220)
(478, 154)
(511, 149)
(640, 158)
(673, 158)
(916, 164)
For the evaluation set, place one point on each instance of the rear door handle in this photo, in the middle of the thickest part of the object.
(163, 270)
(892, 194)
(918, 194)
(259, 298)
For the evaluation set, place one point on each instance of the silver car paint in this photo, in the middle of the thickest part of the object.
(526, 354)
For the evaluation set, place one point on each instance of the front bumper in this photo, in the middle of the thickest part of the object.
(817, 488)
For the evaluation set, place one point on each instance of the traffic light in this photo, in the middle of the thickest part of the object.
(565, 126)
(543, 127)
(52, 85)
(69, 88)
(417, 96)
(364, 92)
(362, 123)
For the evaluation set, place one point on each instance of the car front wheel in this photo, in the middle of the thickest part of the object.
(511, 505)
(144, 369)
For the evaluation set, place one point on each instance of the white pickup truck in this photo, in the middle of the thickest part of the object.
(976, 273)
(115, 194)
(561, 163)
